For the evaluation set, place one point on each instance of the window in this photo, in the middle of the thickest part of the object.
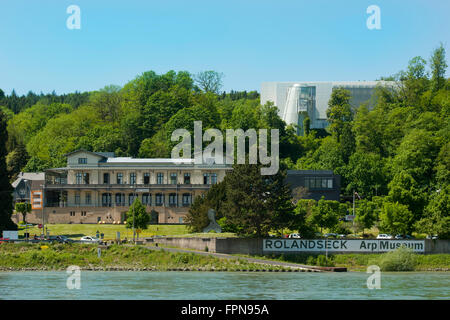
(146, 199)
(106, 178)
(86, 178)
(186, 199)
(77, 198)
(159, 199)
(147, 178)
(120, 199)
(319, 183)
(119, 178)
(78, 178)
(82, 160)
(83, 213)
(160, 178)
(173, 178)
(132, 178)
(131, 198)
(72, 213)
(187, 178)
(180, 220)
(88, 198)
(172, 199)
(206, 178)
(213, 178)
(106, 199)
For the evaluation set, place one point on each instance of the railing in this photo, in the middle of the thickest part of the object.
(130, 187)
(110, 205)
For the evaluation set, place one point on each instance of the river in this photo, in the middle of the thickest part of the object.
(223, 285)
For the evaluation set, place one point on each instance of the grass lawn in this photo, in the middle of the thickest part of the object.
(76, 231)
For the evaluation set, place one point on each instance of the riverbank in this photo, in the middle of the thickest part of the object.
(40, 257)
(360, 262)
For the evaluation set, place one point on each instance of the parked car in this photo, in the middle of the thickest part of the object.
(60, 239)
(295, 236)
(330, 235)
(404, 236)
(384, 236)
(89, 239)
(434, 237)
(341, 236)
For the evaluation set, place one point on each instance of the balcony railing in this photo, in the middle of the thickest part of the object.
(130, 187)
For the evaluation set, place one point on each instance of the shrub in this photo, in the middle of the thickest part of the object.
(311, 261)
(324, 262)
(401, 259)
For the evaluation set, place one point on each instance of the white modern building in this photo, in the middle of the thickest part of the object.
(296, 100)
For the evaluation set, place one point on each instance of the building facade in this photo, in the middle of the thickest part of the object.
(97, 187)
(297, 100)
(315, 183)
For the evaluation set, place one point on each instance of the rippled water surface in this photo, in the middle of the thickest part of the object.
(223, 285)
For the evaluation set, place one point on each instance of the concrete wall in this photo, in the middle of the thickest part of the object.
(255, 246)
(437, 246)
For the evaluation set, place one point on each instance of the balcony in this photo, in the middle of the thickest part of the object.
(129, 187)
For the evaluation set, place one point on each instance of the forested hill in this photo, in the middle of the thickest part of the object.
(400, 148)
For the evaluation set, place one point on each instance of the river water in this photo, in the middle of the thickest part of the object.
(223, 285)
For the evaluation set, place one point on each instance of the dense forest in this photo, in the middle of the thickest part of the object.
(399, 149)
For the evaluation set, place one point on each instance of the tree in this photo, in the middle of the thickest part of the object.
(396, 218)
(325, 214)
(23, 208)
(257, 203)
(339, 112)
(436, 220)
(438, 68)
(142, 218)
(6, 189)
(209, 81)
(366, 214)
(16, 160)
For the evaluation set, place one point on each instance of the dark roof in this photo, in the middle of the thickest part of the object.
(309, 172)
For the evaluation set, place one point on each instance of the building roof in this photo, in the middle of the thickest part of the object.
(99, 154)
(149, 160)
(31, 176)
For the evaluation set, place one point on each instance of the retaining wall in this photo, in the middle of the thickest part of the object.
(255, 246)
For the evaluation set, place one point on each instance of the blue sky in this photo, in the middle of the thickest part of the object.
(249, 41)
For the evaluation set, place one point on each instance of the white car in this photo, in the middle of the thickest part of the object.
(384, 236)
(295, 236)
(90, 239)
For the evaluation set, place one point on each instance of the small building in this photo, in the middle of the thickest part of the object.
(316, 183)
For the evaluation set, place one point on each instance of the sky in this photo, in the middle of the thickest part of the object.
(249, 41)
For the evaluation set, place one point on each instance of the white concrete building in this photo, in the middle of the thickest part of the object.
(295, 100)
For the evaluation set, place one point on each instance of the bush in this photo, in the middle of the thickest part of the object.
(401, 259)
(324, 262)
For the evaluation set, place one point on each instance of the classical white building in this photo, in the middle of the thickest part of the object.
(97, 186)
(296, 100)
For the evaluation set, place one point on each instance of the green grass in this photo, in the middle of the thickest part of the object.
(76, 231)
(60, 256)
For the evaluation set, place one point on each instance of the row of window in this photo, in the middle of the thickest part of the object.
(208, 178)
(146, 199)
(319, 183)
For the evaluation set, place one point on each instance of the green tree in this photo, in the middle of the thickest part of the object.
(436, 220)
(438, 68)
(209, 81)
(366, 214)
(6, 190)
(339, 112)
(396, 218)
(325, 214)
(16, 160)
(257, 203)
(142, 218)
(23, 208)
